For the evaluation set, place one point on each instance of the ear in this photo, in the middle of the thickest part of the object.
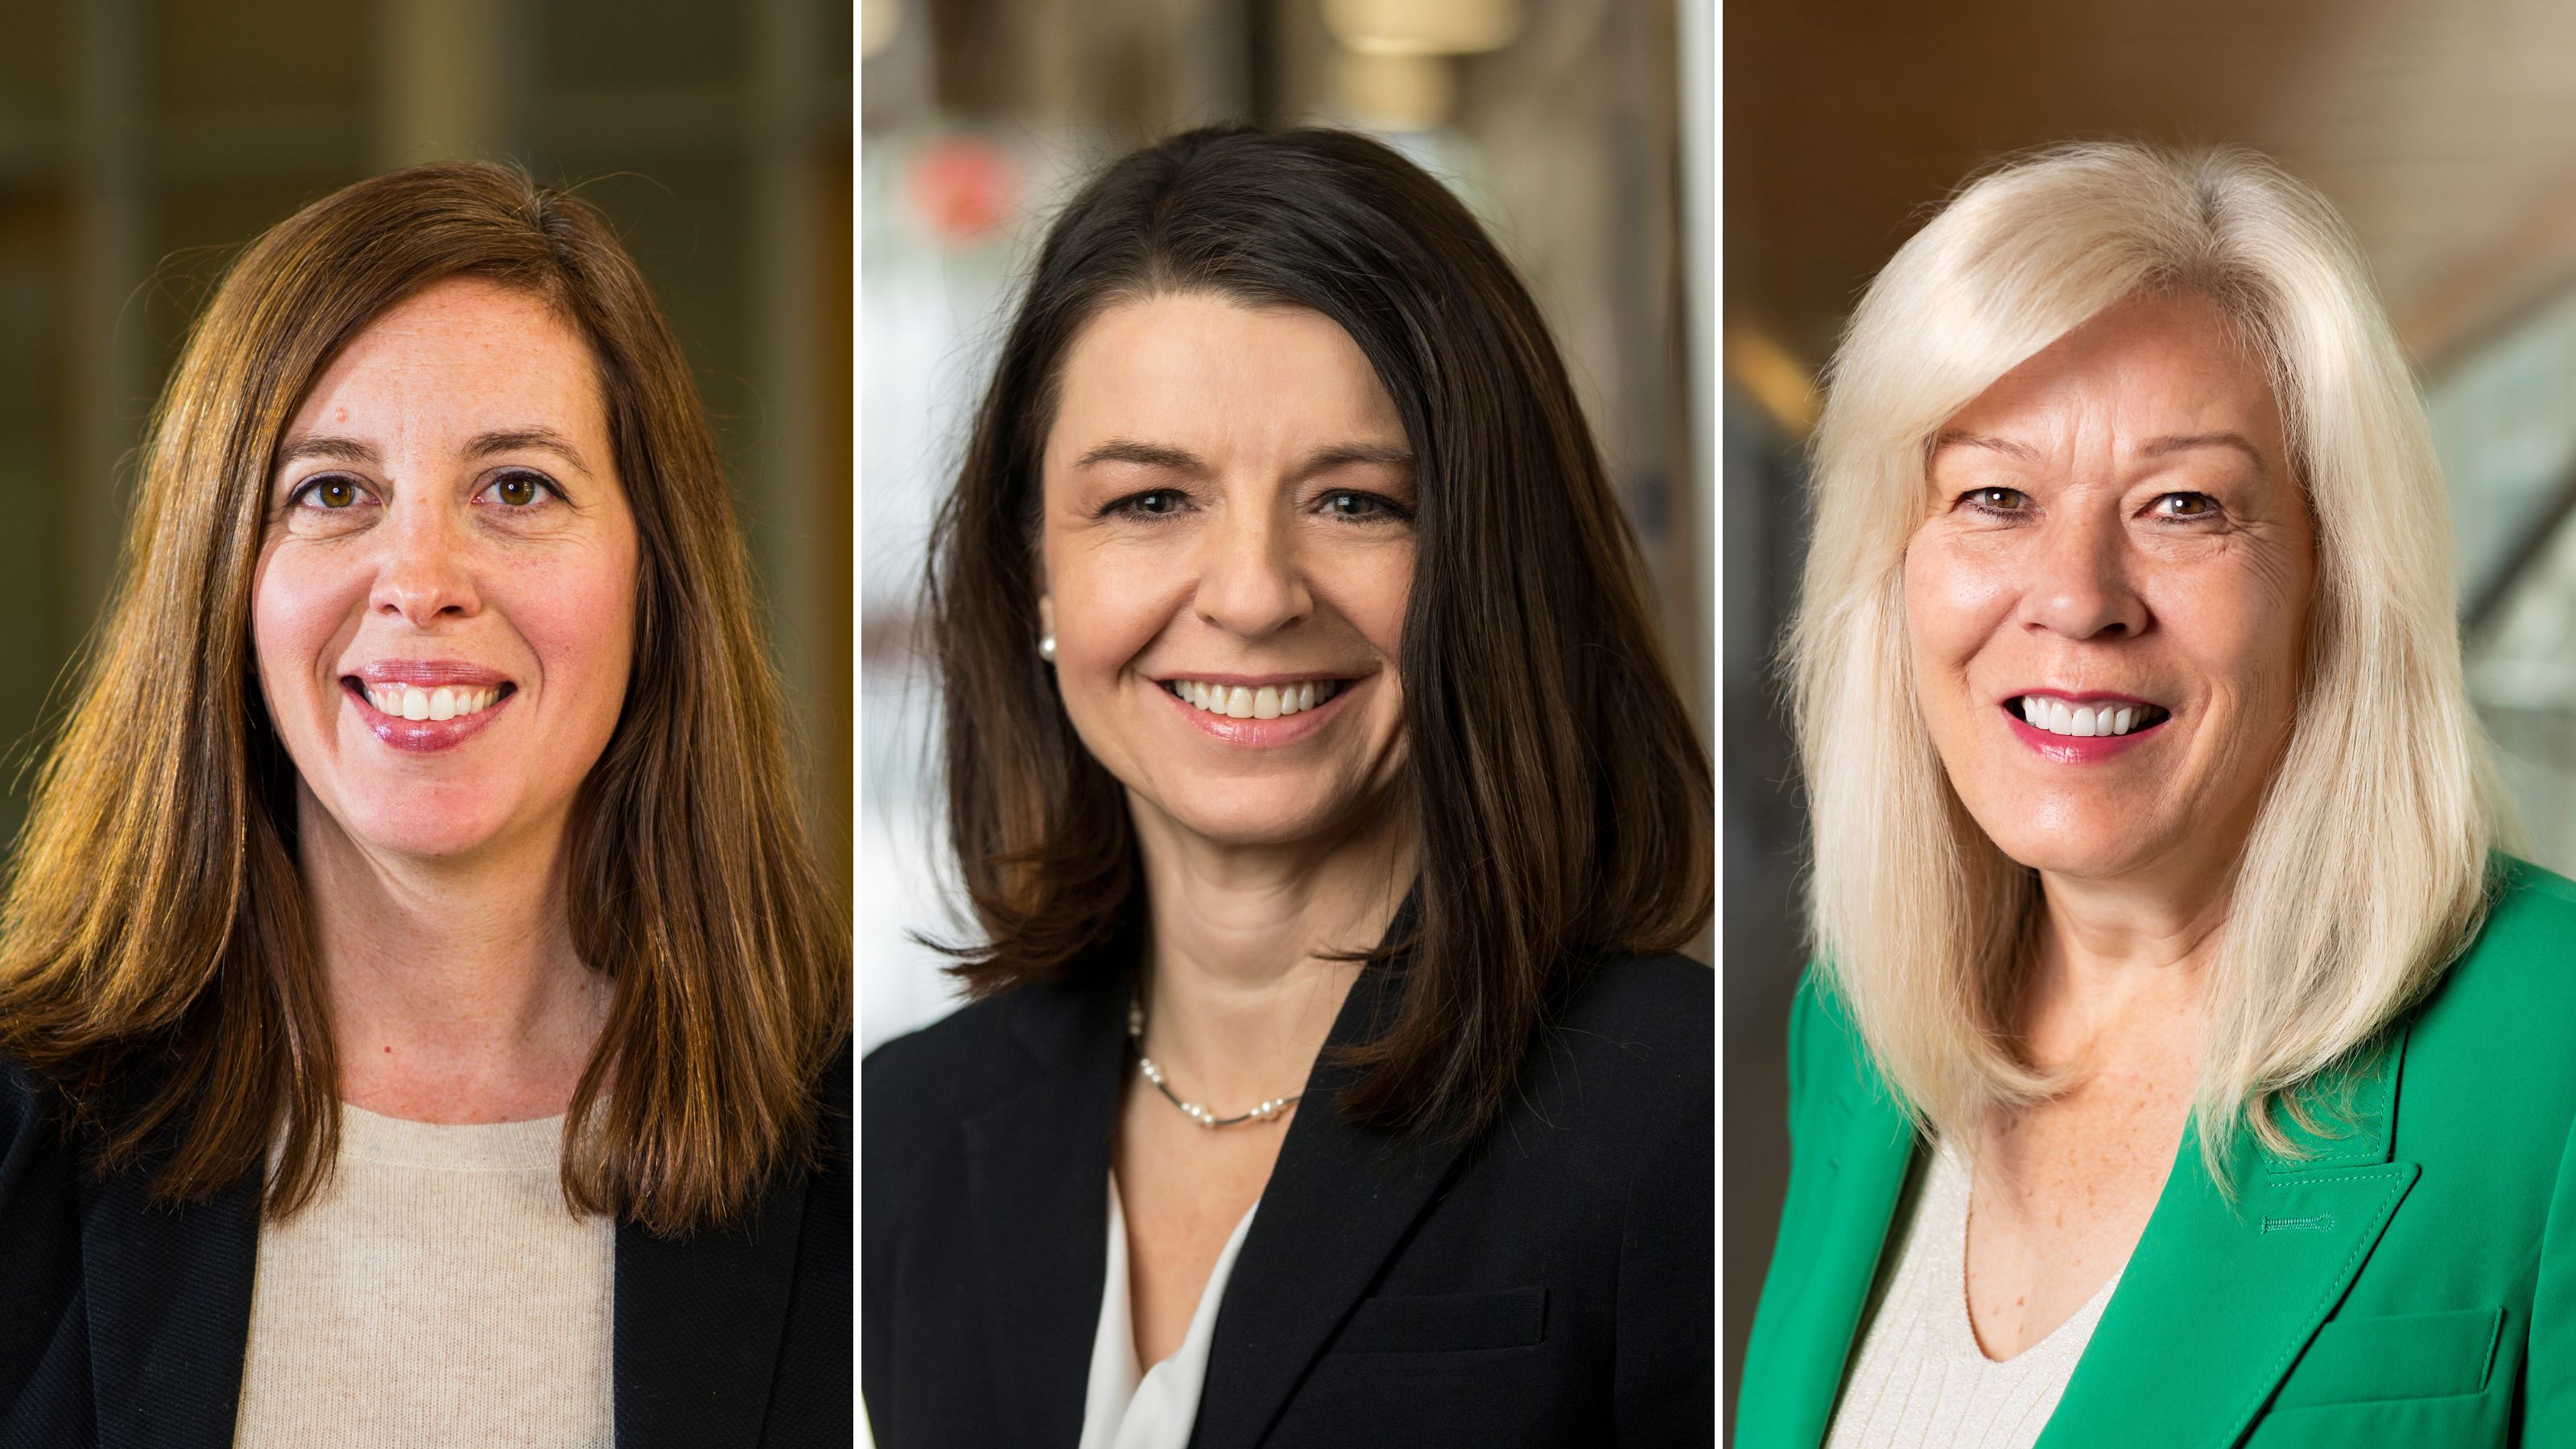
(1046, 614)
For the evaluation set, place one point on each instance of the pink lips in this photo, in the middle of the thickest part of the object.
(425, 736)
(2081, 749)
(1286, 729)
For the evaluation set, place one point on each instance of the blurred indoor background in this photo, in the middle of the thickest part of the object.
(1577, 129)
(2446, 135)
(144, 142)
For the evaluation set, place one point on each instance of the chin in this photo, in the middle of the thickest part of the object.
(420, 824)
(2106, 853)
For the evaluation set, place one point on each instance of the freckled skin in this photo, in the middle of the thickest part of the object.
(444, 529)
(2077, 538)
(432, 554)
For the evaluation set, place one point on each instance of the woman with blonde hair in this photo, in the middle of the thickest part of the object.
(2180, 1064)
(423, 1018)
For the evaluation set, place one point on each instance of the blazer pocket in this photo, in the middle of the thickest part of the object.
(1446, 1322)
(2399, 1356)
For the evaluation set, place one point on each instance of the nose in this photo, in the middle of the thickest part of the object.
(2079, 586)
(423, 577)
(1249, 582)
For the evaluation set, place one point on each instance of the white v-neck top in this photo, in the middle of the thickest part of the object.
(437, 1292)
(1919, 1380)
(1126, 1408)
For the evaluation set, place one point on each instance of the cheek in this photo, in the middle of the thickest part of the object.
(578, 617)
(1109, 604)
(1954, 601)
(1371, 588)
(300, 605)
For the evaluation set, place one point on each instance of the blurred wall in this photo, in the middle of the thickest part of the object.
(144, 142)
(2447, 137)
(1557, 122)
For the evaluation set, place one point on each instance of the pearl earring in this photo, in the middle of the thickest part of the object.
(1046, 647)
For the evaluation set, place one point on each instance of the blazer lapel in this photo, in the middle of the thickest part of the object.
(1038, 1195)
(1868, 1163)
(696, 1328)
(168, 1301)
(1338, 1201)
(2219, 1298)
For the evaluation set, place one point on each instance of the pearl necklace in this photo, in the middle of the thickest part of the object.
(1144, 1064)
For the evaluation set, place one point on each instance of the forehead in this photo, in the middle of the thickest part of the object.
(463, 351)
(2145, 368)
(1206, 372)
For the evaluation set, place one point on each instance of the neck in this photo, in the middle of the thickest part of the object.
(452, 986)
(2120, 962)
(1241, 982)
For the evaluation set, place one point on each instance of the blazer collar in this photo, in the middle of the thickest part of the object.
(2220, 1297)
(1339, 1201)
(1869, 1143)
(696, 1328)
(167, 1297)
(1037, 1195)
(696, 1324)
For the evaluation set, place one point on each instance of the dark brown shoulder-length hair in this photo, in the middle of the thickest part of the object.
(1562, 797)
(154, 956)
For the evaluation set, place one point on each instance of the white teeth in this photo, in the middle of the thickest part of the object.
(1269, 701)
(441, 702)
(2081, 722)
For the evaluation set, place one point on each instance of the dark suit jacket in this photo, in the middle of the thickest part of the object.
(1550, 1283)
(124, 1324)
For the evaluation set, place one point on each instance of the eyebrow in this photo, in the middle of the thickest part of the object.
(484, 445)
(1182, 460)
(2005, 446)
(325, 445)
(2157, 448)
(2182, 442)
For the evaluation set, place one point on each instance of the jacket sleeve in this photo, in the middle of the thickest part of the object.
(2549, 1372)
(1665, 1379)
(44, 1381)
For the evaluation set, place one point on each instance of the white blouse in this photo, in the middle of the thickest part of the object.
(1153, 1409)
(1920, 1380)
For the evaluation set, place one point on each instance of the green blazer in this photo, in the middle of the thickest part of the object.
(2411, 1281)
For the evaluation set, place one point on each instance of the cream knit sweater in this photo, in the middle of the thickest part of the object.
(438, 1292)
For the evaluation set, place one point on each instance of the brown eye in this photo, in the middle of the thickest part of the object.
(2186, 505)
(519, 490)
(1997, 500)
(335, 493)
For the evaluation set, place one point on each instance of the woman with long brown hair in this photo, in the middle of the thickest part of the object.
(422, 1016)
(1329, 817)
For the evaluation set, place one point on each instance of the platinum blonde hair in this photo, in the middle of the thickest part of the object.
(2366, 869)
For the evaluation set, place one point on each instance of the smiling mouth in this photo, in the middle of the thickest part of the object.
(1268, 701)
(406, 701)
(2085, 721)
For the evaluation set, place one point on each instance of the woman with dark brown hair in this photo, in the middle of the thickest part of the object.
(422, 1017)
(1329, 816)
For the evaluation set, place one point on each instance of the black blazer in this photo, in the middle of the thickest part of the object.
(1550, 1283)
(124, 1325)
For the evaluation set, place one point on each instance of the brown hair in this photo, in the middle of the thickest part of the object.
(1562, 799)
(154, 956)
